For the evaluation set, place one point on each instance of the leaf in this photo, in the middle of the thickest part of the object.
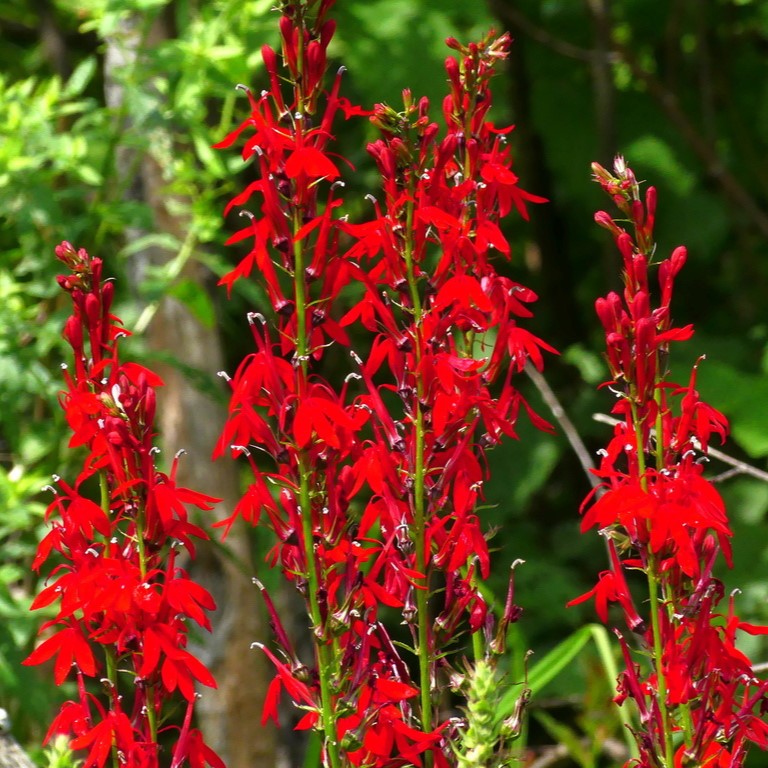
(155, 240)
(80, 78)
(554, 662)
(548, 668)
(89, 175)
(210, 159)
(651, 152)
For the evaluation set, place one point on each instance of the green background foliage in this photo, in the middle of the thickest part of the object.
(677, 86)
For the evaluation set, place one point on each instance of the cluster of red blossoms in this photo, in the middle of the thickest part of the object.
(124, 603)
(371, 487)
(699, 701)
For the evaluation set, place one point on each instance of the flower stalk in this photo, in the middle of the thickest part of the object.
(378, 478)
(124, 606)
(699, 700)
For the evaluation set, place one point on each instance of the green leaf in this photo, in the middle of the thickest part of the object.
(653, 153)
(554, 662)
(80, 78)
(208, 157)
(89, 175)
(590, 365)
(548, 667)
(155, 240)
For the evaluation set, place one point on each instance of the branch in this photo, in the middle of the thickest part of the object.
(740, 467)
(707, 152)
(569, 430)
(558, 45)
(734, 192)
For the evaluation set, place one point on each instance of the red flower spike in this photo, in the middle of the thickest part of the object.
(409, 426)
(117, 585)
(667, 520)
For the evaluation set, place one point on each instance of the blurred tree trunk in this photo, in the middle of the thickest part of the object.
(553, 268)
(191, 420)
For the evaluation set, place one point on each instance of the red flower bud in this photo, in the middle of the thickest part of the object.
(73, 333)
(603, 219)
(150, 406)
(650, 210)
(626, 247)
(638, 214)
(65, 282)
(107, 295)
(92, 310)
(289, 35)
(327, 31)
(66, 252)
(454, 78)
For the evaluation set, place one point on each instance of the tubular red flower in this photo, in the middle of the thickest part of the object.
(667, 520)
(122, 604)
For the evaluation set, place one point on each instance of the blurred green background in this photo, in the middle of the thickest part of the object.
(108, 110)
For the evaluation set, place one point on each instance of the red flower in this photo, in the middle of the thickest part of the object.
(114, 731)
(70, 649)
(659, 509)
(117, 586)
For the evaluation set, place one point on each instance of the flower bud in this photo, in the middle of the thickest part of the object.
(326, 33)
(289, 33)
(73, 333)
(650, 210)
(92, 310)
(107, 295)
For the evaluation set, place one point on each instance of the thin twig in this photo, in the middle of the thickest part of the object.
(569, 430)
(741, 467)
(556, 44)
(737, 194)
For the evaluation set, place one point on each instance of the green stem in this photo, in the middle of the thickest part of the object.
(419, 512)
(654, 604)
(422, 595)
(478, 647)
(110, 658)
(111, 665)
(653, 595)
(104, 493)
(326, 661)
(684, 708)
(150, 690)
